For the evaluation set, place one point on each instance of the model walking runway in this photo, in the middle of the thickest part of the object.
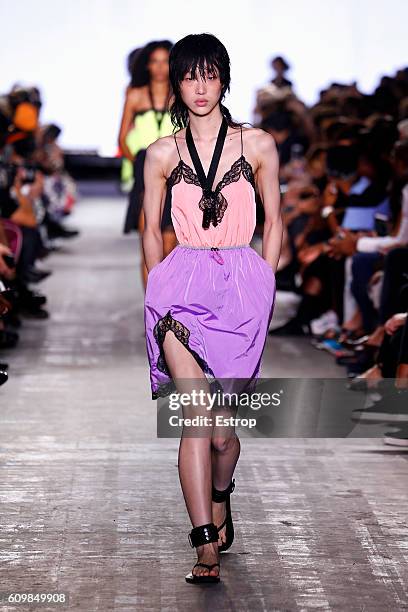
(213, 290)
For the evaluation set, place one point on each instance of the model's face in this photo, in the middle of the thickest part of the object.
(158, 65)
(201, 95)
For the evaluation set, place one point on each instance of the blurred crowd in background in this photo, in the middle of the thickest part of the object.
(36, 194)
(344, 181)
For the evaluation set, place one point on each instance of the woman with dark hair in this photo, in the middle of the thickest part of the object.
(280, 66)
(213, 291)
(145, 118)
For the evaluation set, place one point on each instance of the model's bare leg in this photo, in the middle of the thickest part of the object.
(194, 460)
(225, 454)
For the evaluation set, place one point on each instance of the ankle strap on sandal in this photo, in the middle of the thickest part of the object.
(221, 496)
(204, 534)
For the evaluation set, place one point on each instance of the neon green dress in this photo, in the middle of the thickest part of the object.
(145, 131)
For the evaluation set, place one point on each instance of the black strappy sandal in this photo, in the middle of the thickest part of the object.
(220, 497)
(204, 534)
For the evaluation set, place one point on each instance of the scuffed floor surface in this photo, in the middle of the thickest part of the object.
(90, 500)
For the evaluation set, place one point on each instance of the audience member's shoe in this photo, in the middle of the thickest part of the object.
(35, 275)
(67, 233)
(357, 341)
(31, 298)
(335, 348)
(44, 252)
(35, 312)
(3, 373)
(53, 247)
(291, 328)
(370, 379)
(364, 358)
(328, 320)
(57, 230)
(349, 335)
(8, 339)
(393, 406)
(397, 438)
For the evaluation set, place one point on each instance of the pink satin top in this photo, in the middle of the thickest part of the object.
(236, 205)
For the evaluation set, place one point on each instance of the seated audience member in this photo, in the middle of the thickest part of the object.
(29, 221)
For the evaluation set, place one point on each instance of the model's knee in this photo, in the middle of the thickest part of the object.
(222, 444)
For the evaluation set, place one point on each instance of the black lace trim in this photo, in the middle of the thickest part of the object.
(183, 171)
(182, 333)
(247, 172)
(164, 390)
(232, 176)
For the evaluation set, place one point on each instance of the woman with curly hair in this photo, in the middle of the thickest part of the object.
(145, 118)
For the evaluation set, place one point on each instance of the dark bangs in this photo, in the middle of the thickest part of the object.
(203, 53)
(194, 52)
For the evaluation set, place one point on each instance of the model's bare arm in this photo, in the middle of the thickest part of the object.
(267, 179)
(126, 123)
(154, 195)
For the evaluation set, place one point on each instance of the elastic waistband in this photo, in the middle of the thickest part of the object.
(237, 246)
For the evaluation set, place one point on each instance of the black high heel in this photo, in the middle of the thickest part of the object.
(204, 534)
(220, 497)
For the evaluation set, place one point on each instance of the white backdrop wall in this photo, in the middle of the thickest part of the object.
(75, 50)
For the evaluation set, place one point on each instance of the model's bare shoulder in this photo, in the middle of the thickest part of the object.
(134, 95)
(260, 148)
(160, 152)
(161, 147)
(260, 142)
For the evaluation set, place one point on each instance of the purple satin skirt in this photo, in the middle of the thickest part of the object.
(218, 303)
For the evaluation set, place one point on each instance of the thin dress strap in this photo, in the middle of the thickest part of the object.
(242, 144)
(175, 140)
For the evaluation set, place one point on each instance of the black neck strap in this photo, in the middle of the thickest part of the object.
(206, 182)
(158, 114)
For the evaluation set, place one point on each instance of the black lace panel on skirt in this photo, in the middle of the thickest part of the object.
(182, 333)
